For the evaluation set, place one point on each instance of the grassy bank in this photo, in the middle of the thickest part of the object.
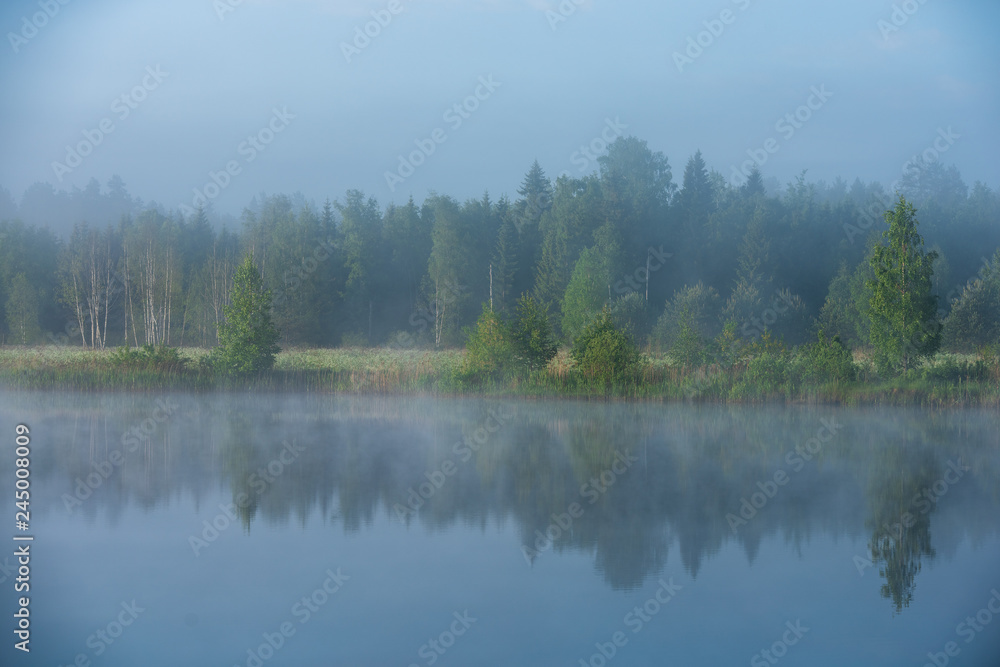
(948, 380)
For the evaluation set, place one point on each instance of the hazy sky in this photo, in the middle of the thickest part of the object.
(200, 77)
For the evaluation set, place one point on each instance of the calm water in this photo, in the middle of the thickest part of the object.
(187, 530)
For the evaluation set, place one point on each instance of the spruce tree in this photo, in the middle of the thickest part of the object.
(248, 339)
(904, 320)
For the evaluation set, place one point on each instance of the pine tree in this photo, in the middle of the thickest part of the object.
(248, 340)
(536, 199)
(903, 313)
(505, 263)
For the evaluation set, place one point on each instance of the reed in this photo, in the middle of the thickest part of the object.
(946, 381)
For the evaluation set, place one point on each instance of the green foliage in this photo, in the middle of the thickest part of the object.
(248, 340)
(727, 346)
(630, 313)
(694, 309)
(974, 320)
(767, 369)
(586, 293)
(904, 322)
(845, 311)
(488, 352)
(497, 349)
(149, 357)
(531, 336)
(951, 369)
(605, 353)
(22, 311)
(829, 361)
(688, 346)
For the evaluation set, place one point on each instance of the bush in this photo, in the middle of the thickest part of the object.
(531, 335)
(696, 306)
(630, 313)
(688, 346)
(951, 369)
(497, 349)
(974, 320)
(605, 353)
(727, 346)
(149, 358)
(488, 352)
(765, 375)
(829, 361)
(766, 370)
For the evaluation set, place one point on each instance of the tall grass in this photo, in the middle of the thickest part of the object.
(947, 380)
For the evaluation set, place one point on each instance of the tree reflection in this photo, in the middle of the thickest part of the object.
(376, 460)
(900, 518)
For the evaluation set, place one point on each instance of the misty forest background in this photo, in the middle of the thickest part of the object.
(99, 268)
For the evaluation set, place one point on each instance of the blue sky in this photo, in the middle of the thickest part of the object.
(556, 85)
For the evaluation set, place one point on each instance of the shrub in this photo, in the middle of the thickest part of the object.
(488, 352)
(829, 360)
(727, 346)
(630, 313)
(688, 346)
(604, 352)
(149, 358)
(974, 320)
(949, 368)
(766, 370)
(531, 335)
(696, 306)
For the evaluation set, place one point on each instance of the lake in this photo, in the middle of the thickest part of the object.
(184, 529)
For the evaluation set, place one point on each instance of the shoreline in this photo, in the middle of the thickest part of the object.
(389, 372)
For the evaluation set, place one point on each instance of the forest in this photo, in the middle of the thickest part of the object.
(678, 258)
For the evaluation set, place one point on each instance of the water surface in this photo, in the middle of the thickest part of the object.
(416, 531)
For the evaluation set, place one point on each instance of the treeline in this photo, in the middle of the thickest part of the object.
(678, 257)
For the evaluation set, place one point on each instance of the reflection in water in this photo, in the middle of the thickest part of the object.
(353, 461)
(901, 534)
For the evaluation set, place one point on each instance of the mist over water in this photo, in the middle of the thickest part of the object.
(545, 521)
